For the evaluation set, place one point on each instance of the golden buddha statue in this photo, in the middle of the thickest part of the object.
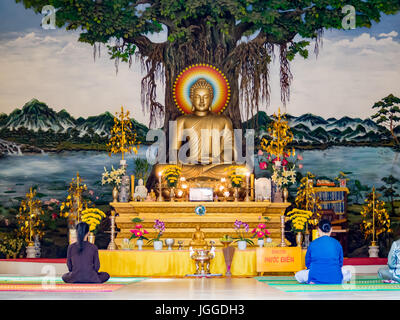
(198, 239)
(211, 138)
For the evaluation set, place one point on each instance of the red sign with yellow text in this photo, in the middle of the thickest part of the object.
(280, 259)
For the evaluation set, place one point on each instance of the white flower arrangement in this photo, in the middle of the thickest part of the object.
(114, 177)
(284, 177)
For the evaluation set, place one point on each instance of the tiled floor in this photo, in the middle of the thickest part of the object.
(201, 289)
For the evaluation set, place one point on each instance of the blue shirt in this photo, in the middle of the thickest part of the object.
(324, 259)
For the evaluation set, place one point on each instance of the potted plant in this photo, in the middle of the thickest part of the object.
(114, 178)
(261, 232)
(159, 226)
(299, 220)
(93, 217)
(171, 175)
(226, 240)
(241, 228)
(138, 233)
(236, 174)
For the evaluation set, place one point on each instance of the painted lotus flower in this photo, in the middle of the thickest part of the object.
(260, 152)
(263, 165)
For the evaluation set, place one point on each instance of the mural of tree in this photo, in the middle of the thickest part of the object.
(209, 31)
(388, 114)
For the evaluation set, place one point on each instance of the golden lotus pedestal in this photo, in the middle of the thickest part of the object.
(181, 220)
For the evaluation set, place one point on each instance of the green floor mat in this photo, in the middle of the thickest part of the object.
(38, 279)
(358, 283)
(292, 281)
(336, 287)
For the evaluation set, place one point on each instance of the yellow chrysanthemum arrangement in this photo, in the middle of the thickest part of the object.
(93, 217)
(299, 219)
(171, 175)
(236, 174)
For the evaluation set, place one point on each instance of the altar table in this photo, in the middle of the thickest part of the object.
(173, 263)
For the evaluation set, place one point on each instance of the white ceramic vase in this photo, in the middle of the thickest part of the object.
(373, 251)
(139, 244)
(260, 243)
(169, 242)
(242, 245)
(158, 245)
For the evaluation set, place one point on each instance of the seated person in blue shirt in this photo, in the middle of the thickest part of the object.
(324, 259)
(391, 273)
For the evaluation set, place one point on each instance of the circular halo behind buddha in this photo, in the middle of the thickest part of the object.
(190, 75)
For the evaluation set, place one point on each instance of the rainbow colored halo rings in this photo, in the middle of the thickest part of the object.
(190, 75)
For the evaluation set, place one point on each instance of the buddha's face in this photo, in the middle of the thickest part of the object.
(201, 99)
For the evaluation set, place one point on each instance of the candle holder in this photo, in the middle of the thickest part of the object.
(160, 198)
(283, 244)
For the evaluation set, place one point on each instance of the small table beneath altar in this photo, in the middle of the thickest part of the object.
(177, 263)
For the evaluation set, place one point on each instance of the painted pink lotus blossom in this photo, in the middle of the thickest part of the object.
(263, 165)
(260, 152)
(300, 166)
(299, 157)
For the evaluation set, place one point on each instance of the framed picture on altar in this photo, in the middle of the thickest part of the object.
(201, 194)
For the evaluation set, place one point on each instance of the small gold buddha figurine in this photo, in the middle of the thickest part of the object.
(198, 239)
(152, 195)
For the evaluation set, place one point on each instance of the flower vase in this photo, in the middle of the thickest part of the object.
(158, 245)
(299, 239)
(115, 194)
(260, 243)
(242, 245)
(172, 194)
(139, 244)
(285, 194)
(91, 237)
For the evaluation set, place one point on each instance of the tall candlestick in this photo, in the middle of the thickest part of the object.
(252, 186)
(160, 189)
(283, 244)
(247, 186)
(132, 187)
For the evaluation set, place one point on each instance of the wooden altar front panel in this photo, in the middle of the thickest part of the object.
(181, 220)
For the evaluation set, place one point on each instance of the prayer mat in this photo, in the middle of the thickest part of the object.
(359, 283)
(40, 279)
(56, 284)
(58, 287)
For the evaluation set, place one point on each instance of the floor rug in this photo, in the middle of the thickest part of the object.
(359, 283)
(58, 287)
(56, 284)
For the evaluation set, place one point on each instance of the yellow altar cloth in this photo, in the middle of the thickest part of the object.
(173, 263)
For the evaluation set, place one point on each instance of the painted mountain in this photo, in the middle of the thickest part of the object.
(37, 125)
(309, 129)
(37, 116)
